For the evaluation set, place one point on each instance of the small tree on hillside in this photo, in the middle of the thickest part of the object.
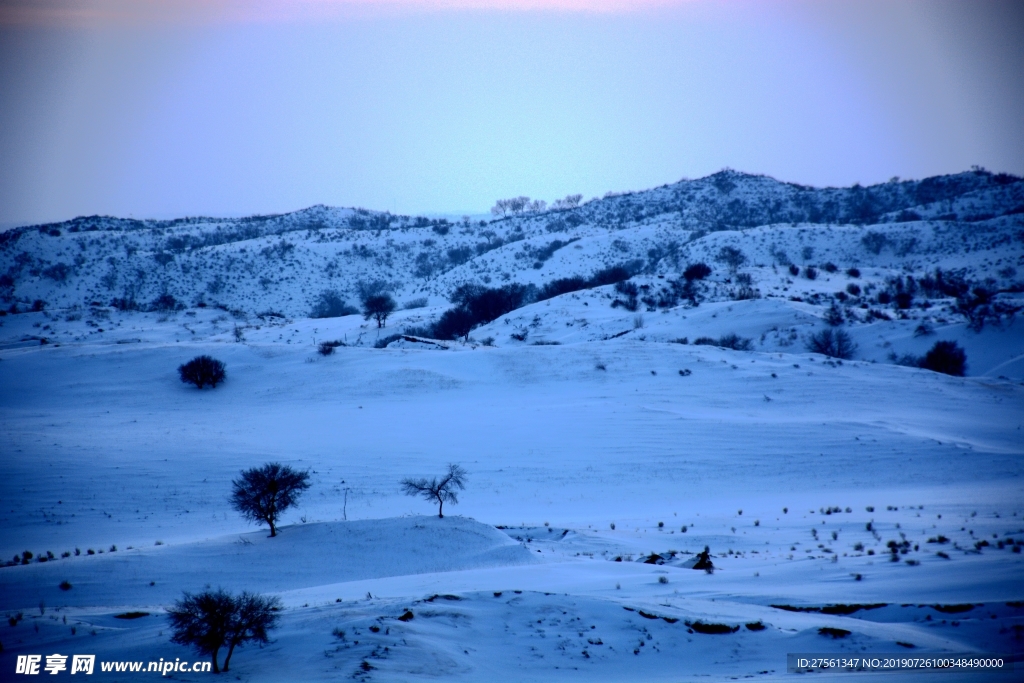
(202, 370)
(834, 315)
(440, 490)
(263, 493)
(379, 307)
(211, 620)
(732, 257)
(834, 343)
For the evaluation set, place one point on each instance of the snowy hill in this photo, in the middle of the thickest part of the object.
(613, 426)
(970, 221)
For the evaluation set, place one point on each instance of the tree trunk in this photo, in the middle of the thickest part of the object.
(213, 655)
(273, 529)
(227, 659)
(440, 508)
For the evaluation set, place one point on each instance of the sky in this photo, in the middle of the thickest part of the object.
(168, 108)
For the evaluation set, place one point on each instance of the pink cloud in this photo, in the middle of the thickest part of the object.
(101, 12)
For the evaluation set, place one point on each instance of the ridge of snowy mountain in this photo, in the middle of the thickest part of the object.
(284, 263)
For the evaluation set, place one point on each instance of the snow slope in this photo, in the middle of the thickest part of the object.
(601, 461)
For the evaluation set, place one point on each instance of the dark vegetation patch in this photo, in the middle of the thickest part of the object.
(384, 341)
(475, 305)
(834, 633)
(711, 629)
(834, 343)
(202, 370)
(330, 304)
(131, 615)
(326, 348)
(839, 610)
(728, 341)
(952, 609)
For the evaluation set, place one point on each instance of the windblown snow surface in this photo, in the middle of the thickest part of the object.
(605, 449)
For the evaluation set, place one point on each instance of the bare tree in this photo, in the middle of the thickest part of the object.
(441, 490)
(211, 620)
(201, 621)
(379, 307)
(515, 205)
(569, 202)
(500, 208)
(253, 616)
(263, 493)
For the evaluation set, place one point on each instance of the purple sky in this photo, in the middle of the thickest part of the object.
(158, 108)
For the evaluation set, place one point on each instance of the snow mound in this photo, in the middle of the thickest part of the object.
(301, 556)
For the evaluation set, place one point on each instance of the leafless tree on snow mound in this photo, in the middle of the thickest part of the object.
(441, 490)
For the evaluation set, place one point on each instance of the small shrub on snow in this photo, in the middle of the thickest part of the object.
(165, 302)
(630, 291)
(415, 303)
(384, 341)
(834, 633)
(330, 304)
(735, 342)
(853, 289)
(728, 341)
(731, 256)
(326, 348)
(834, 316)
(712, 629)
(202, 370)
(794, 269)
(834, 343)
(697, 271)
(946, 357)
(853, 272)
(874, 242)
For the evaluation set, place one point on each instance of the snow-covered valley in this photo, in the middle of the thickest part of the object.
(609, 434)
